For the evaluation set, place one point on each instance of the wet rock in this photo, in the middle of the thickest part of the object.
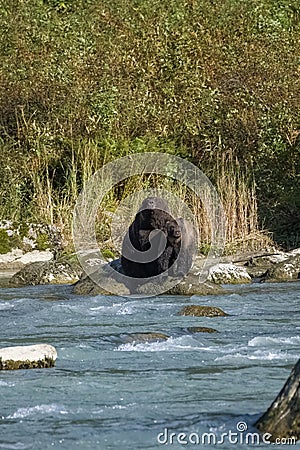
(282, 419)
(201, 330)
(146, 337)
(27, 357)
(288, 270)
(190, 285)
(62, 271)
(228, 274)
(200, 311)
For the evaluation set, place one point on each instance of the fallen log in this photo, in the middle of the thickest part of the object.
(282, 419)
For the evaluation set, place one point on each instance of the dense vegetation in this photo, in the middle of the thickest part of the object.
(86, 81)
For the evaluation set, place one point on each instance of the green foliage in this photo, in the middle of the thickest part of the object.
(108, 254)
(5, 245)
(204, 249)
(85, 82)
(42, 241)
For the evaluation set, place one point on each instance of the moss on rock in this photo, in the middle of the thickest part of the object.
(11, 364)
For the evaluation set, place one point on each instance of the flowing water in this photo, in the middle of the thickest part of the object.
(109, 391)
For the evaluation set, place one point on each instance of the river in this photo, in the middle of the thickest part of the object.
(109, 392)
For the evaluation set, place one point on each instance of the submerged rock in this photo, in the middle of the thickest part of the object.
(228, 274)
(282, 419)
(146, 337)
(201, 330)
(27, 357)
(199, 311)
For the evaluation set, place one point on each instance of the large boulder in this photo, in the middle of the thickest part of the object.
(27, 357)
(189, 285)
(62, 271)
(282, 419)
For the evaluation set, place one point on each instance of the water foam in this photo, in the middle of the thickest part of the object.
(21, 413)
(261, 341)
(259, 355)
(183, 343)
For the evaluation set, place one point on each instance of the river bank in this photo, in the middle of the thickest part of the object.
(19, 268)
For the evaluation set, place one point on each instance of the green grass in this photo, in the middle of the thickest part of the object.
(86, 82)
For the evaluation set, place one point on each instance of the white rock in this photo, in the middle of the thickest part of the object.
(294, 252)
(11, 256)
(228, 273)
(278, 258)
(28, 352)
(35, 256)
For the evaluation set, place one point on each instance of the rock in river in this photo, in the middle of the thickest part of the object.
(199, 310)
(201, 330)
(189, 285)
(27, 357)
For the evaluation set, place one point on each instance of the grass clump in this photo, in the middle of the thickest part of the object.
(5, 244)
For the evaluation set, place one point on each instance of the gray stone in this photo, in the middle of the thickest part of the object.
(288, 270)
(282, 419)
